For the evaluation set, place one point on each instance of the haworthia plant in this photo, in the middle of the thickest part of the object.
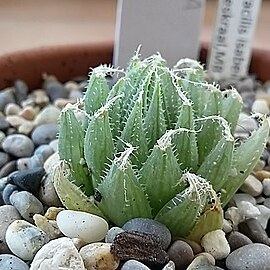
(157, 144)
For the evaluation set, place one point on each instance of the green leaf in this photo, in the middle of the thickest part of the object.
(99, 147)
(244, 159)
(122, 197)
(161, 174)
(71, 149)
(70, 195)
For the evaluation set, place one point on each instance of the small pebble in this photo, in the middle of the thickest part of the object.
(146, 225)
(8, 190)
(4, 158)
(237, 240)
(194, 245)
(44, 150)
(90, 228)
(62, 102)
(45, 133)
(34, 162)
(260, 106)
(216, 244)
(248, 210)
(26, 127)
(112, 232)
(18, 145)
(12, 109)
(8, 214)
(11, 262)
(56, 90)
(4, 125)
(26, 204)
(54, 145)
(240, 197)
(227, 226)
(75, 95)
(10, 167)
(20, 91)
(245, 124)
(98, 256)
(252, 186)
(267, 202)
(71, 86)
(58, 254)
(134, 265)
(181, 254)
(249, 257)
(6, 96)
(262, 174)
(48, 115)
(169, 266)
(233, 214)
(28, 113)
(15, 120)
(52, 212)
(202, 262)
(38, 97)
(266, 186)
(254, 231)
(25, 239)
(264, 216)
(28, 180)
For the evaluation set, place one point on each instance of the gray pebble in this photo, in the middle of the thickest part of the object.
(25, 239)
(134, 265)
(75, 94)
(26, 204)
(48, 115)
(181, 254)
(35, 161)
(249, 257)
(54, 145)
(56, 90)
(18, 145)
(169, 266)
(247, 84)
(11, 166)
(264, 216)
(4, 158)
(20, 91)
(44, 134)
(11, 262)
(267, 202)
(239, 197)
(237, 240)
(150, 226)
(8, 190)
(44, 150)
(8, 214)
(112, 232)
(6, 96)
(4, 125)
(254, 231)
(266, 186)
(252, 186)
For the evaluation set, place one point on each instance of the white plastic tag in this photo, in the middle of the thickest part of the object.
(171, 27)
(230, 51)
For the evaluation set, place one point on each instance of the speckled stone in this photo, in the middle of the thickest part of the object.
(18, 145)
(98, 256)
(249, 257)
(11, 262)
(8, 214)
(26, 204)
(45, 133)
(150, 226)
(25, 239)
(58, 254)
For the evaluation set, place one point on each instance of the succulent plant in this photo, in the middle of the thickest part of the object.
(157, 144)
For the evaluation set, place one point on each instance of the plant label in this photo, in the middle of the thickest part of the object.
(171, 27)
(230, 52)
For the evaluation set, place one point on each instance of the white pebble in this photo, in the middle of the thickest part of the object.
(216, 244)
(264, 215)
(239, 197)
(266, 186)
(25, 239)
(227, 226)
(248, 210)
(58, 254)
(252, 186)
(260, 106)
(75, 224)
(233, 214)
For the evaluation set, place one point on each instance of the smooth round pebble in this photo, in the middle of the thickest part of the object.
(227, 226)
(237, 240)
(249, 257)
(26, 204)
(12, 109)
(262, 174)
(98, 256)
(7, 191)
(216, 244)
(28, 180)
(6, 96)
(58, 254)
(25, 239)
(253, 229)
(36, 161)
(8, 214)
(18, 145)
(233, 214)
(134, 265)
(48, 115)
(28, 113)
(45, 133)
(169, 266)
(11, 262)
(181, 254)
(146, 225)
(20, 91)
(112, 232)
(4, 158)
(54, 145)
(252, 186)
(51, 161)
(266, 186)
(264, 216)
(248, 210)
(240, 197)
(4, 125)
(56, 90)
(8, 168)
(201, 262)
(44, 150)
(260, 106)
(75, 224)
